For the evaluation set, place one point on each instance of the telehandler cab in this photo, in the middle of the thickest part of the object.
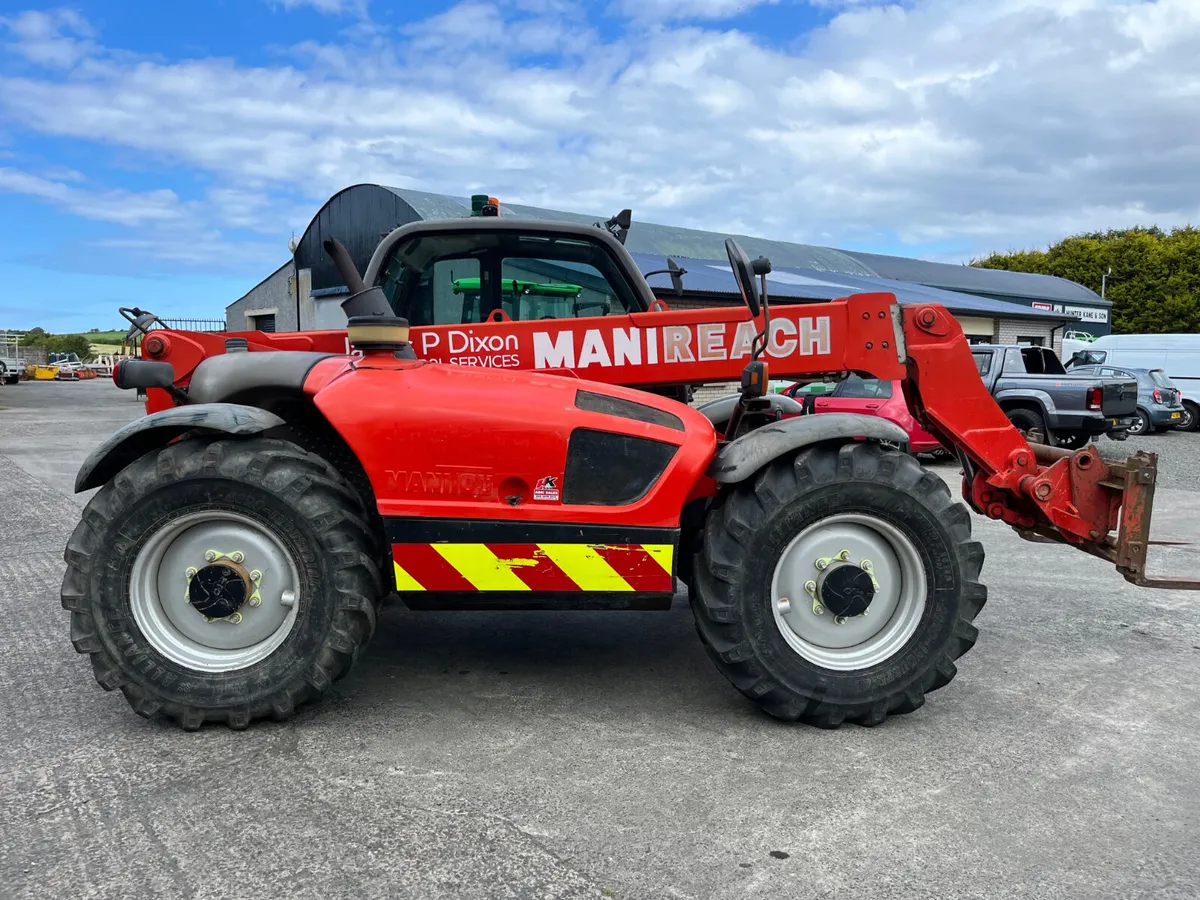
(245, 532)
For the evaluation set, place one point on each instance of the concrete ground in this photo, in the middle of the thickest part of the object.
(566, 755)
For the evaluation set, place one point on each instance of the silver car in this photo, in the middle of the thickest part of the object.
(1160, 402)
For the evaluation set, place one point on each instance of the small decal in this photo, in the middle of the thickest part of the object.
(546, 488)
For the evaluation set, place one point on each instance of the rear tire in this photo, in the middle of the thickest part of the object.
(1027, 420)
(1140, 424)
(132, 560)
(754, 526)
(1074, 441)
(1191, 417)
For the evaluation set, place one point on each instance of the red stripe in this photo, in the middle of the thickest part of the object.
(544, 576)
(426, 565)
(641, 570)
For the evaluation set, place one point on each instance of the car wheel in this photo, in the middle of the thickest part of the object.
(1140, 424)
(1191, 417)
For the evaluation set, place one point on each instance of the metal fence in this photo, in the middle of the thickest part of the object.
(209, 325)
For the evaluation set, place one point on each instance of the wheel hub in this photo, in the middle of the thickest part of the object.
(219, 589)
(846, 590)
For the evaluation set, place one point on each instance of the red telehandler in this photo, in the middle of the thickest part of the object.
(245, 532)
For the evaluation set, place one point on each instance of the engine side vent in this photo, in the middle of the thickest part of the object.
(589, 401)
(605, 469)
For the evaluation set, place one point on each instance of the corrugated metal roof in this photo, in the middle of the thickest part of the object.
(909, 275)
(714, 276)
(646, 237)
(981, 281)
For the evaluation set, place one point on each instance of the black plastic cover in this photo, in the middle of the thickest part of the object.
(144, 373)
(606, 469)
(590, 401)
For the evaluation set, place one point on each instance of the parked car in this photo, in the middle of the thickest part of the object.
(1178, 355)
(11, 369)
(804, 393)
(1160, 403)
(1037, 394)
(872, 397)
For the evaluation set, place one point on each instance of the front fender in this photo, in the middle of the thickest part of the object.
(741, 458)
(143, 435)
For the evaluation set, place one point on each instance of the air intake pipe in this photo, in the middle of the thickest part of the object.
(363, 301)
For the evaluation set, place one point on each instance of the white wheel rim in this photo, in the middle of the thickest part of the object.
(159, 592)
(893, 615)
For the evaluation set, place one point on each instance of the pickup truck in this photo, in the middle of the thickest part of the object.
(1036, 392)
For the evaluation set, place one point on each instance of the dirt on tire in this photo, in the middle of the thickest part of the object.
(749, 527)
(306, 505)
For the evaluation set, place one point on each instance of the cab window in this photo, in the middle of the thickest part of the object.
(855, 387)
(463, 278)
(538, 288)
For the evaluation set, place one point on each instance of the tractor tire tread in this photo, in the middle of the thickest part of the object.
(315, 490)
(730, 531)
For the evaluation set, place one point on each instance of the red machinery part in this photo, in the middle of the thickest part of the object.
(1046, 493)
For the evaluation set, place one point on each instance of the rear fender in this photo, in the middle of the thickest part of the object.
(738, 460)
(157, 430)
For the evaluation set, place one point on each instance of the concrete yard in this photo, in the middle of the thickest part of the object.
(572, 755)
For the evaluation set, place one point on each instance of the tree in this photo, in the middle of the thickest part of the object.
(1155, 281)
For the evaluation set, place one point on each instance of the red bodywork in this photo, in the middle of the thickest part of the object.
(888, 404)
(470, 417)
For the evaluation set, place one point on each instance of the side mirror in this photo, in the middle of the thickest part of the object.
(743, 274)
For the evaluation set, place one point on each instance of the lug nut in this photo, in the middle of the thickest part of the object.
(256, 575)
(822, 563)
(237, 556)
(210, 555)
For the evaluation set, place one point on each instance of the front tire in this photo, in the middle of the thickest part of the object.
(222, 581)
(757, 613)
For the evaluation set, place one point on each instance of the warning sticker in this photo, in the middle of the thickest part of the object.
(546, 489)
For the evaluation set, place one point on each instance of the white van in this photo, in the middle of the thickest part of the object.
(1178, 355)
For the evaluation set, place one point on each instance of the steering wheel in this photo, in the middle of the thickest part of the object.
(743, 274)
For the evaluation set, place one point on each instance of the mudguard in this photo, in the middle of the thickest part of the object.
(720, 410)
(741, 458)
(154, 431)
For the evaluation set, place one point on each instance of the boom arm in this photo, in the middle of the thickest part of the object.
(1046, 493)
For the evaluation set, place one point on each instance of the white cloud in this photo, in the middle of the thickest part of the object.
(108, 205)
(329, 7)
(947, 123)
(667, 10)
(58, 38)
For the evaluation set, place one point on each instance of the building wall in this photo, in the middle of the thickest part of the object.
(273, 296)
(1015, 331)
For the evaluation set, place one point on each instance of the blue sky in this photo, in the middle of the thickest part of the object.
(161, 154)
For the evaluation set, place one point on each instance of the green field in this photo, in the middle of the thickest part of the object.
(105, 337)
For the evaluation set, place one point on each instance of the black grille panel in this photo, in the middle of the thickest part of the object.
(605, 469)
(590, 401)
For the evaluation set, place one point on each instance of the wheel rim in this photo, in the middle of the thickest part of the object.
(1138, 425)
(1186, 420)
(845, 542)
(181, 568)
